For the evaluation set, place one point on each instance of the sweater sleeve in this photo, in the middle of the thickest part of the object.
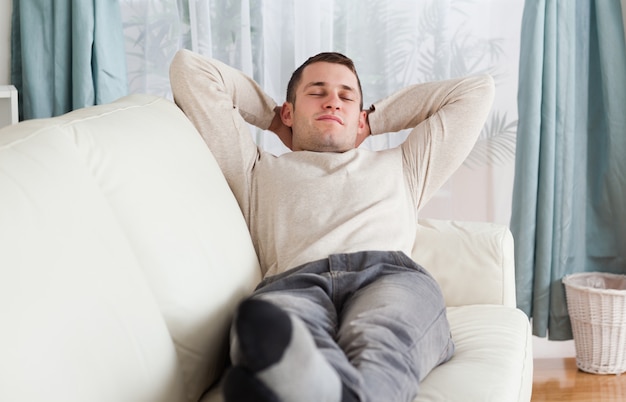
(219, 99)
(446, 118)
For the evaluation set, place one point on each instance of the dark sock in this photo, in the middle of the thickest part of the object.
(264, 332)
(278, 351)
(242, 386)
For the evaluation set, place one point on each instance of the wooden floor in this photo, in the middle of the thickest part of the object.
(560, 380)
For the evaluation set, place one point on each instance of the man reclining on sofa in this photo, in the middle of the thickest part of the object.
(343, 313)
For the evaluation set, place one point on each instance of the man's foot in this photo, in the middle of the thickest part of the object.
(264, 332)
(278, 351)
(242, 386)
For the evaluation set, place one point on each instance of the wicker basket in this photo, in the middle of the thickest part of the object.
(597, 307)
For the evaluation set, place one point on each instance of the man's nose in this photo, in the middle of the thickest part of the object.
(332, 102)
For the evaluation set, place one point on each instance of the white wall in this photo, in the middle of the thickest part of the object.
(5, 41)
(545, 349)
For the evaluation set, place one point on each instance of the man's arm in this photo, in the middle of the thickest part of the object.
(446, 117)
(217, 99)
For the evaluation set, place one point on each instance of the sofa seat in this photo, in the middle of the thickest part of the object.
(483, 335)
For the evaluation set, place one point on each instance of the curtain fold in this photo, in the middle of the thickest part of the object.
(569, 195)
(66, 54)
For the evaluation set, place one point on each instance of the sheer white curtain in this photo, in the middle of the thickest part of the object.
(393, 44)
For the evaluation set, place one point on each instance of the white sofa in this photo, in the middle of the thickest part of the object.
(123, 255)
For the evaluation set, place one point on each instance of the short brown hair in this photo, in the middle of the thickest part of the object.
(328, 57)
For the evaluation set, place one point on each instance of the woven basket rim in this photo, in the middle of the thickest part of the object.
(568, 281)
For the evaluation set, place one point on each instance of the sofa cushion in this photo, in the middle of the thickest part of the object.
(457, 253)
(492, 361)
(181, 220)
(139, 167)
(79, 321)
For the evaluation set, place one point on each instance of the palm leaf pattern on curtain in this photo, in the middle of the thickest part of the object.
(435, 55)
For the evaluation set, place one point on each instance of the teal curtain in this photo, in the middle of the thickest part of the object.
(66, 54)
(569, 196)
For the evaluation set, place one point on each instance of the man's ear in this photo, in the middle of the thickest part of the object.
(362, 120)
(363, 130)
(286, 114)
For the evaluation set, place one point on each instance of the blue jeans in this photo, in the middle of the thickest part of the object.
(377, 317)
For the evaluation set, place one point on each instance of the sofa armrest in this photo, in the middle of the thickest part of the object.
(472, 261)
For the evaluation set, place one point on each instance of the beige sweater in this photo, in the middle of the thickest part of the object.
(303, 206)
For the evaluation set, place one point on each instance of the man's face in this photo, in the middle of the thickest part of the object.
(326, 116)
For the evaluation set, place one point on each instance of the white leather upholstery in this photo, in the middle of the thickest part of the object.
(461, 253)
(123, 255)
(485, 367)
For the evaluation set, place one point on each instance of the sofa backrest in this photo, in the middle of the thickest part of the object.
(122, 257)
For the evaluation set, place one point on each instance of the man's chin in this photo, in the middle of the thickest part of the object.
(324, 142)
